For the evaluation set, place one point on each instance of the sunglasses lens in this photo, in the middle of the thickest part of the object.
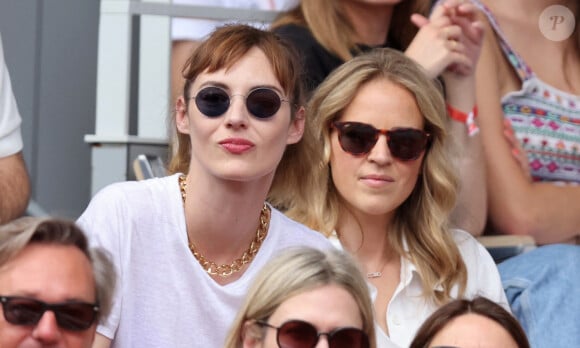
(407, 144)
(69, 316)
(263, 102)
(23, 311)
(297, 334)
(75, 316)
(212, 101)
(349, 338)
(357, 138)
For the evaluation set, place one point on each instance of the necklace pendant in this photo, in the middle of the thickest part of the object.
(374, 275)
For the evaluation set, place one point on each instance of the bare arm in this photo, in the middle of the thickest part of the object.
(101, 341)
(518, 205)
(470, 212)
(14, 187)
(449, 44)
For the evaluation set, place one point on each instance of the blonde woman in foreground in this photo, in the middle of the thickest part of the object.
(305, 296)
(386, 188)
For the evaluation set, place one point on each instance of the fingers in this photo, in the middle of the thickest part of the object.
(463, 64)
(459, 8)
(467, 10)
(452, 3)
(454, 45)
(440, 45)
(452, 32)
(438, 11)
(517, 150)
(473, 30)
(419, 20)
(452, 37)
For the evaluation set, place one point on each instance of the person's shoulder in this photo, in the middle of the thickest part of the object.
(473, 253)
(294, 232)
(464, 239)
(482, 275)
(135, 191)
(295, 33)
(469, 247)
(133, 201)
(292, 28)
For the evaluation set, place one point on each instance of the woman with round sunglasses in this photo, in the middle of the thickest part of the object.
(188, 245)
(306, 298)
(386, 187)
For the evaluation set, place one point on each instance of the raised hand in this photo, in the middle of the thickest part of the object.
(449, 40)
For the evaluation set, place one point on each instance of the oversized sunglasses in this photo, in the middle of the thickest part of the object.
(73, 316)
(261, 102)
(405, 144)
(301, 334)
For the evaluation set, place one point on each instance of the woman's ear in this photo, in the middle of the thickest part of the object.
(297, 125)
(181, 116)
(252, 334)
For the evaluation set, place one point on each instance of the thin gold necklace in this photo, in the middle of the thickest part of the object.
(377, 274)
(226, 270)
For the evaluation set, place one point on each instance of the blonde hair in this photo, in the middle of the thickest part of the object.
(421, 222)
(224, 47)
(25, 231)
(297, 271)
(330, 26)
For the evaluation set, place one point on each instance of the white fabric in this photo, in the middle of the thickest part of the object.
(408, 309)
(198, 29)
(10, 137)
(164, 297)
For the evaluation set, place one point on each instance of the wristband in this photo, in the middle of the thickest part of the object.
(468, 119)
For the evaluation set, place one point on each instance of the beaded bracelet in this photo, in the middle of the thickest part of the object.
(468, 119)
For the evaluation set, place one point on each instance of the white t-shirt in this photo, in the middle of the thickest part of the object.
(408, 309)
(197, 29)
(164, 298)
(10, 137)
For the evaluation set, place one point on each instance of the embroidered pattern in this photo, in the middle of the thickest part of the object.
(545, 120)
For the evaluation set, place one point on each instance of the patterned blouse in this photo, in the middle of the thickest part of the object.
(545, 119)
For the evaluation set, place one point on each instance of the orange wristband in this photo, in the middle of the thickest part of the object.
(459, 115)
(468, 119)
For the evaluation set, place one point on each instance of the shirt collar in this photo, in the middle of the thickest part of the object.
(409, 271)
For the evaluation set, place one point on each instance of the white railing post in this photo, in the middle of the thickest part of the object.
(154, 75)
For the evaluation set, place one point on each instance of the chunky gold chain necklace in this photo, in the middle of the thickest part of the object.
(226, 270)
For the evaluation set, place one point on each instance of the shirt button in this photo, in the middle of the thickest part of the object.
(396, 321)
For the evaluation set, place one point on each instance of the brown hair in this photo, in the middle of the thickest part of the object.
(328, 23)
(224, 47)
(481, 306)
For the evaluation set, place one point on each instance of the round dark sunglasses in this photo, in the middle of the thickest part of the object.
(301, 334)
(261, 102)
(73, 316)
(357, 138)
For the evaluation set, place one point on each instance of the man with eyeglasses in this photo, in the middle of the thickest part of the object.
(53, 287)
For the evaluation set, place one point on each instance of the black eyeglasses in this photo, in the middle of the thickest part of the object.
(300, 334)
(261, 102)
(357, 138)
(73, 316)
